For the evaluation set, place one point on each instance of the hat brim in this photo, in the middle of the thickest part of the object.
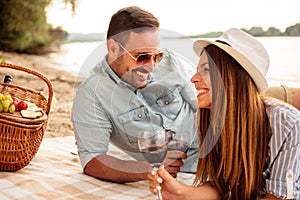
(252, 70)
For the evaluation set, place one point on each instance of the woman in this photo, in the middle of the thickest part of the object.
(250, 144)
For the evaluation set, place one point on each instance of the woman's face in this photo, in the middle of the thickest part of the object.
(201, 80)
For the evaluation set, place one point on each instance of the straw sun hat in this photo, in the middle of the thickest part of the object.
(246, 50)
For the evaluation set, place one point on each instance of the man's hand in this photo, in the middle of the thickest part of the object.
(173, 161)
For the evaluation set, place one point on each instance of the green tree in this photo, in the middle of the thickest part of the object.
(256, 31)
(24, 25)
(272, 31)
(293, 30)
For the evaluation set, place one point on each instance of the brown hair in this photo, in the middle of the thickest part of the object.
(236, 163)
(129, 19)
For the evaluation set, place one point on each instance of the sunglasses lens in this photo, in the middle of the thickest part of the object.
(158, 57)
(144, 58)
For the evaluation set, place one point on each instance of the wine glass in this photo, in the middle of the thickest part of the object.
(153, 145)
(180, 141)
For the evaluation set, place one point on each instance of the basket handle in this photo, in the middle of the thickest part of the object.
(38, 74)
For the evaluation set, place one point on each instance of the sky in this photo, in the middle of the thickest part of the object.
(186, 17)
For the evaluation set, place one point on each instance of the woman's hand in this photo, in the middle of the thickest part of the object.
(173, 190)
(170, 188)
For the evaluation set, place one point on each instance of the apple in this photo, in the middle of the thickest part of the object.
(22, 105)
(15, 99)
(16, 102)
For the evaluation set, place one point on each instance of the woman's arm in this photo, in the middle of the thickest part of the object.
(171, 189)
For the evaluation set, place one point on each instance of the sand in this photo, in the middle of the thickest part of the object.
(59, 119)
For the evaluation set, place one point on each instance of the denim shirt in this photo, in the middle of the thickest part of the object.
(107, 109)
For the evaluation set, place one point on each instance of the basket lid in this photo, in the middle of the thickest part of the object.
(17, 117)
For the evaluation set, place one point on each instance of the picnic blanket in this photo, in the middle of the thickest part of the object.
(55, 173)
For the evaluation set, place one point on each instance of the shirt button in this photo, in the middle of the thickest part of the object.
(166, 102)
(139, 115)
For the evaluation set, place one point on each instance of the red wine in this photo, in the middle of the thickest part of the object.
(178, 145)
(155, 154)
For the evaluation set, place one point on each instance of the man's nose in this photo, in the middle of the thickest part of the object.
(149, 67)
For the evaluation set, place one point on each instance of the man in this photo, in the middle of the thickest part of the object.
(135, 87)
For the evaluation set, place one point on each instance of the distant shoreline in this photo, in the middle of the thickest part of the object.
(291, 31)
(96, 37)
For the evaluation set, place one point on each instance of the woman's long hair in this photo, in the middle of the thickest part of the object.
(236, 162)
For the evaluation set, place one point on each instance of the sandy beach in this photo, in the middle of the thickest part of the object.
(59, 123)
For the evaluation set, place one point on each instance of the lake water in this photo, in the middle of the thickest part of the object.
(79, 58)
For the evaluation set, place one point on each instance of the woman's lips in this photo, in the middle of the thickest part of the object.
(201, 91)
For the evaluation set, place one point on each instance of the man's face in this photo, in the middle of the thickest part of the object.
(127, 67)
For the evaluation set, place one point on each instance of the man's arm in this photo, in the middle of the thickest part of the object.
(113, 169)
(287, 94)
(295, 92)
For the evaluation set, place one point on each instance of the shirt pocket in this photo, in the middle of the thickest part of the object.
(133, 121)
(170, 103)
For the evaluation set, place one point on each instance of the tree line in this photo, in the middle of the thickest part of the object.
(293, 30)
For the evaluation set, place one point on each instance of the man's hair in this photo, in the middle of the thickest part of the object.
(129, 19)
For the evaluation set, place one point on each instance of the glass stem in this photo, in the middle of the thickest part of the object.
(158, 188)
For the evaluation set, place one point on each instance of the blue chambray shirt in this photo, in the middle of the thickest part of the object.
(107, 109)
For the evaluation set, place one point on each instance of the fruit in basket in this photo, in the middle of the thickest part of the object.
(22, 105)
(11, 104)
(8, 98)
(15, 99)
(5, 104)
(12, 108)
(16, 104)
(6, 101)
(5, 109)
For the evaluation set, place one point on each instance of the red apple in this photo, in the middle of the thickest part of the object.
(15, 99)
(16, 102)
(22, 105)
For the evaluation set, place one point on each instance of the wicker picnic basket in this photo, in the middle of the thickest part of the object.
(20, 138)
